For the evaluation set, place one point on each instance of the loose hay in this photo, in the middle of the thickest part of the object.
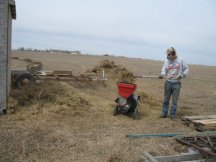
(92, 85)
(149, 100)
(116, 72)
(42, 95)
(55, 131)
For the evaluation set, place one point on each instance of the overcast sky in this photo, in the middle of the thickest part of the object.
(132, 28)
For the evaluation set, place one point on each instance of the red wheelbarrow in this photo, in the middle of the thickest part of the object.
(127, 102)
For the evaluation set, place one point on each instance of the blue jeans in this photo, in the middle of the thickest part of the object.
(171, 89)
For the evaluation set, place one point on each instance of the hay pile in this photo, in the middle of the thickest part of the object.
(58, 96)
(54, 121)
(150, 106)
(91, 85)
(149, 100)
(116, 72)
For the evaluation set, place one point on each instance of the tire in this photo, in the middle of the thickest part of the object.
(23, 79)
(132, 101)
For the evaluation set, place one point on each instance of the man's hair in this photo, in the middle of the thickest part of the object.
(174, 51)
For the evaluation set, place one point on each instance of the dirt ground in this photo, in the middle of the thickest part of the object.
(58, 121)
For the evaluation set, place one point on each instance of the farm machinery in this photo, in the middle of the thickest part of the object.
(33, 73)
(127, 102)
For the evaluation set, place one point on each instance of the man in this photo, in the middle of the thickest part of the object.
(174, 70)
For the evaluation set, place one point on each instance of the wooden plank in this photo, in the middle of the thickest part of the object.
(201, 160)
(145, 76)
(177, 158)
(61, 72)
(195, 156)
(201, 123)
(204, 129)
(204, 121)
(152, 135)
(149, 158)
(207, 125)
(199, 117)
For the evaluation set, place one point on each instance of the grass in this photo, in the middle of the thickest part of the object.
(74, 122)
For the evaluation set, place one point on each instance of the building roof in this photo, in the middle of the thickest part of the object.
(12, 7)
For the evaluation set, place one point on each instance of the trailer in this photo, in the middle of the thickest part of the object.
(33, 74)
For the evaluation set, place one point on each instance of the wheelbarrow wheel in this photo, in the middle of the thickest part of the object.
(133, 104)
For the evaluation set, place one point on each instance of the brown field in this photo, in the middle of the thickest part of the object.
(58, 121)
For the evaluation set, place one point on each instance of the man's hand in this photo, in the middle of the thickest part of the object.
(180, 77)
(160, 76)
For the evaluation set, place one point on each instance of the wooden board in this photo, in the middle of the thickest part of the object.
(172, 158)
(202, 123)
(205, 121)
(199, 117)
